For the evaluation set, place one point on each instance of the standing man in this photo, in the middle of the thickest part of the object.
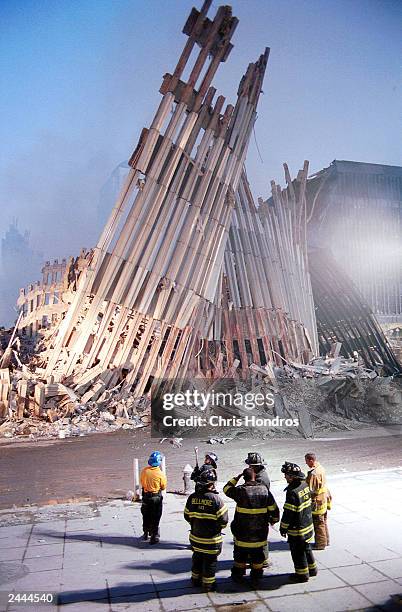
(317, 482)
(153, 482)
(210, 462)
(297, 523)
(255, 509)
(207, 515)
(255, 461)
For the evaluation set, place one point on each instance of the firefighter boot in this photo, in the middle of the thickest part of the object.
(208, 584)
(255, 577)
(238, 574)
(298, 578)
(312, 568)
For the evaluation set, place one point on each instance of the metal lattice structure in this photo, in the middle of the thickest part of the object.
(145, 290)
(264, 310)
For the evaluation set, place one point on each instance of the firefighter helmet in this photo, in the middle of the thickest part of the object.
(207, 477)
(292, 469)
(254, 459)
(214, 459)
(155, 459)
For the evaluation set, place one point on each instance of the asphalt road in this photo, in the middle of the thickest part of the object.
(100, 466)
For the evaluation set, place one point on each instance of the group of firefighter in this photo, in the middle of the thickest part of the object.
(303, 520)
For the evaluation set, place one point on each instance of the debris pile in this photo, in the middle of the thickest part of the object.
(327, 368)
(37, 407)
(334, 392)
(190, 278)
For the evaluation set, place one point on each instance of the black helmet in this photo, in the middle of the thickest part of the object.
(292, 469)
(214, 459)
(207, 477)
(254, 459)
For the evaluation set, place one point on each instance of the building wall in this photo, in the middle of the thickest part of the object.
(358, 215)
(45, 302)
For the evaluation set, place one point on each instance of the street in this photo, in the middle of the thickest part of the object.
(66, 527)
(99, 466)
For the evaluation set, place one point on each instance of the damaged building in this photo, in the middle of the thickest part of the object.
(191, 276)
(356, 212)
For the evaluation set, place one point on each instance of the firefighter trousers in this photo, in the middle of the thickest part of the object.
(203, 568)
(302, 556)
(266, 555)
(151, 510)
(243, 555)
(321, 530)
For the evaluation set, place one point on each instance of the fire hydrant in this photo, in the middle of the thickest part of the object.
(186, 478)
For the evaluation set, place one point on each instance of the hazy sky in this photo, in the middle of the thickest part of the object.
(80, 79)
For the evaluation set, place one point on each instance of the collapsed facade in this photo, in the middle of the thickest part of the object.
(166, 280)
(264, 312)
(44, 304)
(189, 276)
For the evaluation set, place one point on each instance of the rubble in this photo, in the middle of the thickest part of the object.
(41, 408)
(335, 392)
(326, 394)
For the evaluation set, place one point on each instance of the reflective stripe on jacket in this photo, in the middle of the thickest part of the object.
(208, 515)
(255, 509)
(297, 519)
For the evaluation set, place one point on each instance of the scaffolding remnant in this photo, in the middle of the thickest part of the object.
(146, 287)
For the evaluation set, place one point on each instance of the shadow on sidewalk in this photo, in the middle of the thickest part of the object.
(126, 592)
(180, 565)
(394, 603)
(278, 545)
(131, 542)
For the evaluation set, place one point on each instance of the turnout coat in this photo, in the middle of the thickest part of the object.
(255, 510)
(208, 515)
(320, 496)
(297, 519)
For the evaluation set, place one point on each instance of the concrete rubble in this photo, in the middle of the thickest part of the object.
(38, 407)
(326, 394)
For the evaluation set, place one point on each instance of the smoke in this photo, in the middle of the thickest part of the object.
(53, 191)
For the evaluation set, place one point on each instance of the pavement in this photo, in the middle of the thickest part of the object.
(91, 556)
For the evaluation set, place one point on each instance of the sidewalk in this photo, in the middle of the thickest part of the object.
(91, 555)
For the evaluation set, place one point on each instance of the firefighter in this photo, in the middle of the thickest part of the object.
(210, 462)
(297, 523)
(255, 461)
(153, 482)
(255, 510)
(321, 500)
(208, 515)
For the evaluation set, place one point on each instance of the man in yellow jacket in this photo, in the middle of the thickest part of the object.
(321, 498)
(153, 482)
